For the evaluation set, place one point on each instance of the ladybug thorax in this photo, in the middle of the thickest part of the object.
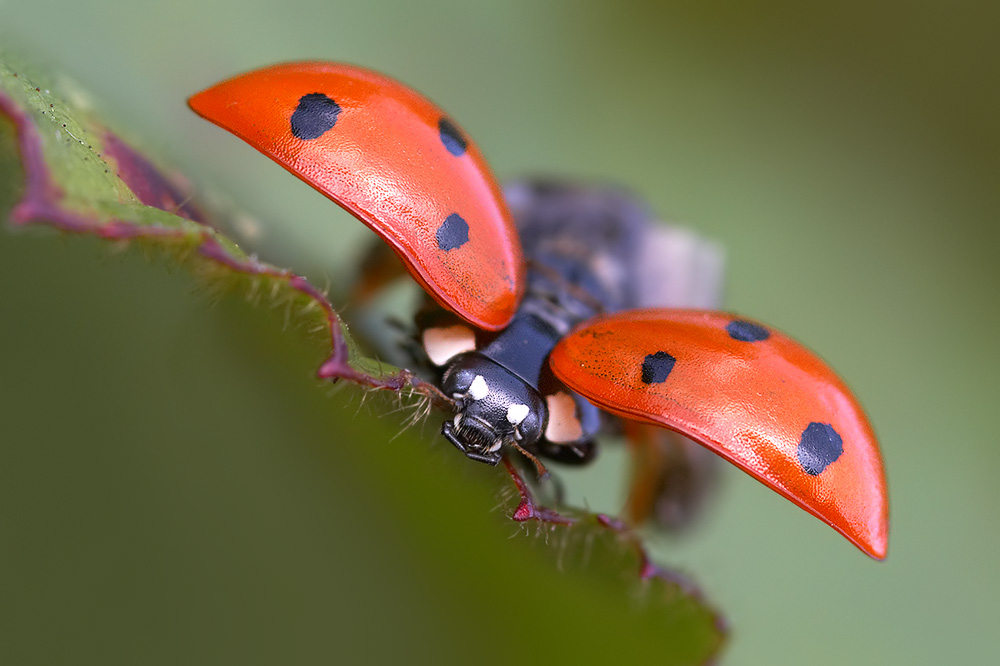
(495, 407)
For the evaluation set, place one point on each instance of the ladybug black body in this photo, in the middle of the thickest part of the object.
(586, 249)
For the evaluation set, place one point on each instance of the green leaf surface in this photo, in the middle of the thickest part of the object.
(411, 529)
(79, 176)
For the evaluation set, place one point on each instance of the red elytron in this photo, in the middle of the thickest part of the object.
(395, 161)
(743, 390)
(754, 396)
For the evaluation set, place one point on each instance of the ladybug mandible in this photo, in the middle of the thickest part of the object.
(548, 326)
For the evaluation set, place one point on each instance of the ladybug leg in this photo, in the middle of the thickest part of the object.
(670, 476)
(527, 509)
(540, 469)
(550, 485)
(574, 453)
(390, 336)
(379, 268)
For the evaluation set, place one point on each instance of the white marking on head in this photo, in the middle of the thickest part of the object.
(564, 425)
(517, 413)
(478, 389)
(441, 344)
(495, 447)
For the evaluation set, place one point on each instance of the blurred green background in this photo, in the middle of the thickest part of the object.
(167, 494)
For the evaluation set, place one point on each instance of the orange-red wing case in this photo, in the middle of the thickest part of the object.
(751, 394)
(397, 162)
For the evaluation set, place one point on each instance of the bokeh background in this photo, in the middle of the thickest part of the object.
(167, 493)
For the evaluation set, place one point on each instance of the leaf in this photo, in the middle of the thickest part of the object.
(61, 168)
(81, 177)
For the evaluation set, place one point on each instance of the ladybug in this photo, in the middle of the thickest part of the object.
(551, 322)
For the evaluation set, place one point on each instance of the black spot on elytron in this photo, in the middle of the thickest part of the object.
(315, 115)
(452, 137)
(746, 331)
(453, 232)
(820, 445)
(656, 367)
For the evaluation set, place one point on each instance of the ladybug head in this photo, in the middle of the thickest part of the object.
(495, 407)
